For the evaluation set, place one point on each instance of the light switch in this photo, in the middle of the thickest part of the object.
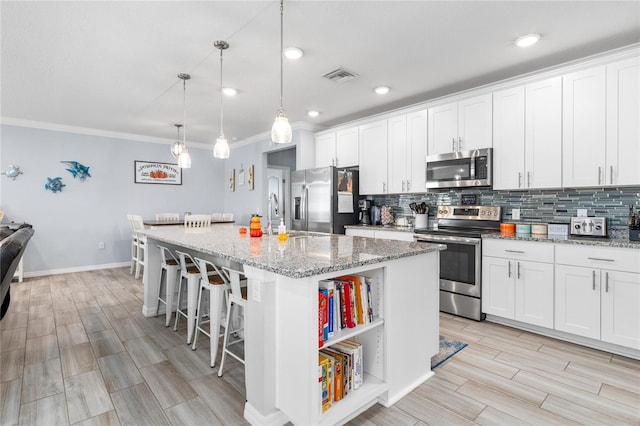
(582, 212)
(515, 214)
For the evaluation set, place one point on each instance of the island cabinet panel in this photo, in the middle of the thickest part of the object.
(394, 360)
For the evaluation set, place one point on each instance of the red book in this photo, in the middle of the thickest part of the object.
(322, 316)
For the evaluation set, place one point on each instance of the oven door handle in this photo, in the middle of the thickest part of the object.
(447, 239)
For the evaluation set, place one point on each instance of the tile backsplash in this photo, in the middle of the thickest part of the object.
(543, 206)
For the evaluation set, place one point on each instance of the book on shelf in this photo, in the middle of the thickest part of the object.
(354, 350)
(322, 303)
(337, 360)
(328, 288)
(325, 313)
(325, 380)
(369, 304)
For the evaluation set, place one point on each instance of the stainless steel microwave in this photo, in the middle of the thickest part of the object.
(460, 169)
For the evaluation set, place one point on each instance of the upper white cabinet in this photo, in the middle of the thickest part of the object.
(527, 136)
(338, 149)
(583, 130)
(407, 150)
(461, 126)
(373, 158)
(623, 128)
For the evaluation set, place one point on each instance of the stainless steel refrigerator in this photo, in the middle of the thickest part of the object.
(324, 199)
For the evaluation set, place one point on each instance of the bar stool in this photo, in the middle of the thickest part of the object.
(189, 276)
(238, 298)
(170, 269)
(218, 288)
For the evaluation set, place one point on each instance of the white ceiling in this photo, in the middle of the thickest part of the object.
(112, 65)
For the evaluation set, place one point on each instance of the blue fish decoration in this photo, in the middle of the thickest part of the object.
(77, 170)
(54, 185)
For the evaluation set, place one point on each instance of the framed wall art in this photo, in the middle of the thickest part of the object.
(232, 180)
(250, 179)
(162, 173)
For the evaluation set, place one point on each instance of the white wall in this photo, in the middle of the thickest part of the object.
(69, 224)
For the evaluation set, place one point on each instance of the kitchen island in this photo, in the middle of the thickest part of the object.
(281, 318)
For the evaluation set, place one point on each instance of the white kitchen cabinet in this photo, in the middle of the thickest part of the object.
(381, 234)
(527, 136)
(407, 151)
(583, 129)
(338, 148)
(461, 126)
(598, 294)
(517, 280)
(373, 158)
(623, 128)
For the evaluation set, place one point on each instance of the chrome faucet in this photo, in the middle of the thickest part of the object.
(272, 199)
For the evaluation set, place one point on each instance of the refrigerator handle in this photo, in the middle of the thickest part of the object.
(303, 210)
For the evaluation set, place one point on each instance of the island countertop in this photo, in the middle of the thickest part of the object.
(304, 254)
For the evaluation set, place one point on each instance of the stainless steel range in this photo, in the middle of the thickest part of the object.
(461, 229)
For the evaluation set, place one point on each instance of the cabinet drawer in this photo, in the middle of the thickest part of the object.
(618, 259)
(533, 251)
(370, 233)
(395, 235)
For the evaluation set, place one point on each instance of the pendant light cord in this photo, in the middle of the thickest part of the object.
(184, 113)
(221, 110)
(281, 49)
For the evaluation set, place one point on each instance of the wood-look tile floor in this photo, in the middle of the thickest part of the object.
(75, 349)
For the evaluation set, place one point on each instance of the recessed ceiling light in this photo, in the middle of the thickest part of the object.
(313, 113)
(527, 40)
(293, 52)
(382, 90)
(229, 91)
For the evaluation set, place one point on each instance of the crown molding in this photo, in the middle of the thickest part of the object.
(266, 136)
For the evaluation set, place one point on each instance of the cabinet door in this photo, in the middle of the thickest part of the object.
(443, 129)
(623, 128)
(543, 134)
(397, 154)
(583, 129)
(347, 147)
(534, 293)
(620, 313)
(508, 138)
(416, 151)
(498, 287)
(325, 149)
(475, 130)
(577, 300)
(373, 158)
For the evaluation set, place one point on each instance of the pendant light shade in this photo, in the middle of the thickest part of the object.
(184, 159)
(281, 130)
(177, 147)
(221, 148)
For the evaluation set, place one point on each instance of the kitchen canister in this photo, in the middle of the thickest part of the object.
(539, 230)
(421, 221)
(508, 229)
(523, 229)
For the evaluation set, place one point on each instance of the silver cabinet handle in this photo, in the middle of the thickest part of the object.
(519, 180)
(599, 175)
(336, 161)
(509, 271)
(594, 279)
(602, 259)
(453, 144)
(528, 179)
(403, 186)
(611, 174)
(606, 282)
(384, 186)
(518, 269)
(459, 144)
(514, 251)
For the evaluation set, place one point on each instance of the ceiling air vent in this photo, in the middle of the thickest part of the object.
(340, 75)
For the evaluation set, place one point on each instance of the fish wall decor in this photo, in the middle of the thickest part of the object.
(54, 185)
(77, 170)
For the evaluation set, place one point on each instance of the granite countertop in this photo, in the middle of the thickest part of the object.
(304, 254)
(382, 228)
(615, 239)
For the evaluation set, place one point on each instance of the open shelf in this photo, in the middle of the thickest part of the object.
(358, 400)
(347, 333)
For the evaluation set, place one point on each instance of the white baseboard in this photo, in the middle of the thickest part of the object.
(35, 274)
(254, 417)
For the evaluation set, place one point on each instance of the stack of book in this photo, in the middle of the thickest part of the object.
(343, 302)
(340, 371)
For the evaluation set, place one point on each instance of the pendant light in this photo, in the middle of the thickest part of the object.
(177, 147)
(184, 159)
(221, 148)
(281, 130)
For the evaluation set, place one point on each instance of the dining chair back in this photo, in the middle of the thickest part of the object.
(197, 221)
(138, 244)
(167, 217)
(216, 217)
(227, 217)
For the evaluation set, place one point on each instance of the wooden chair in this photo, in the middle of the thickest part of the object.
(237, 298)
(138, 243)
(197, 221)
(167, 217)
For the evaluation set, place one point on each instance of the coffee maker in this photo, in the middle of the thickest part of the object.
(363, 215)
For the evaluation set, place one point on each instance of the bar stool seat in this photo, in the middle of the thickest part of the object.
(170, 270)
(238, 299)
(218, 288)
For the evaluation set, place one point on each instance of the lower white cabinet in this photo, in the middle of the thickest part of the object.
(515, 288)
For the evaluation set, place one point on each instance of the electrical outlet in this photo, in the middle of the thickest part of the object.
(515, 214)
(582, 212)
(101, 245)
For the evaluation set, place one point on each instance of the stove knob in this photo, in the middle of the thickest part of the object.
(577, 226)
